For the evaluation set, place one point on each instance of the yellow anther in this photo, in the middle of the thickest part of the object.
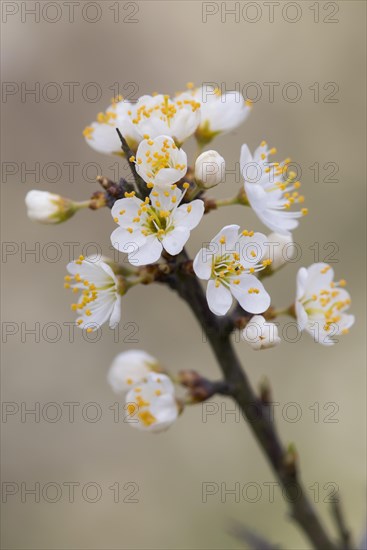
(88, 132)
(147, 418)
(131, 408)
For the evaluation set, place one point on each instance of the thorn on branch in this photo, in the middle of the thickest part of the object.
(251, 538)
(141, 187)
(265, 391)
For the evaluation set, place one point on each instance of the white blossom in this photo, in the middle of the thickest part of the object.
(101, 135)
(153, 116)
(220, 113)
(270, 189)
(160, 162)
(152, 404)
(229, 264)
(100, 299)
(321, 304)
(261, 334)
(160, 222)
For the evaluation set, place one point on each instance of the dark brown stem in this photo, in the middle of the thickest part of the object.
(139, 182)
(217, 331)
(344, 533)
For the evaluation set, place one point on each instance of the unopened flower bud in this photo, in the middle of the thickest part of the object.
(261, 334)
(45, 207)
(209, 169)
(280, 249)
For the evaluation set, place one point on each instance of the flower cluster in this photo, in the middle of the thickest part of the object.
(156, 215)
(150, 397)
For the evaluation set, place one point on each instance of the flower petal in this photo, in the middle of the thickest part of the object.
(189, 215)
(203, 264)
(250, 300)
(147, 253)
(125, 241)
(219, 298)
(175, 240)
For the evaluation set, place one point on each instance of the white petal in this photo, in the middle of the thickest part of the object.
(189, 217)
(245, 157)
(251, 301)
(203, 264)
(127, 242)
(175, 240)
(129, 207)
(320, 275)
(302, 277)
(148, 253)
(219, 298)
(168, 176)
(116, 313)
(230, 235)
(302, 317)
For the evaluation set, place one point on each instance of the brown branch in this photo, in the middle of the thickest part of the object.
(217, 331)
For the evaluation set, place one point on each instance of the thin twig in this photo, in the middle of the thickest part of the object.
(344, 533)
(256, 541)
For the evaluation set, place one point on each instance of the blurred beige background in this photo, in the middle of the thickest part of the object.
(168, 46)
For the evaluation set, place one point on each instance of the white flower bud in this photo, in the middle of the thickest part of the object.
(279, 249)
(261, 334)
(209, 169)
(129, 368)
(45, 207)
